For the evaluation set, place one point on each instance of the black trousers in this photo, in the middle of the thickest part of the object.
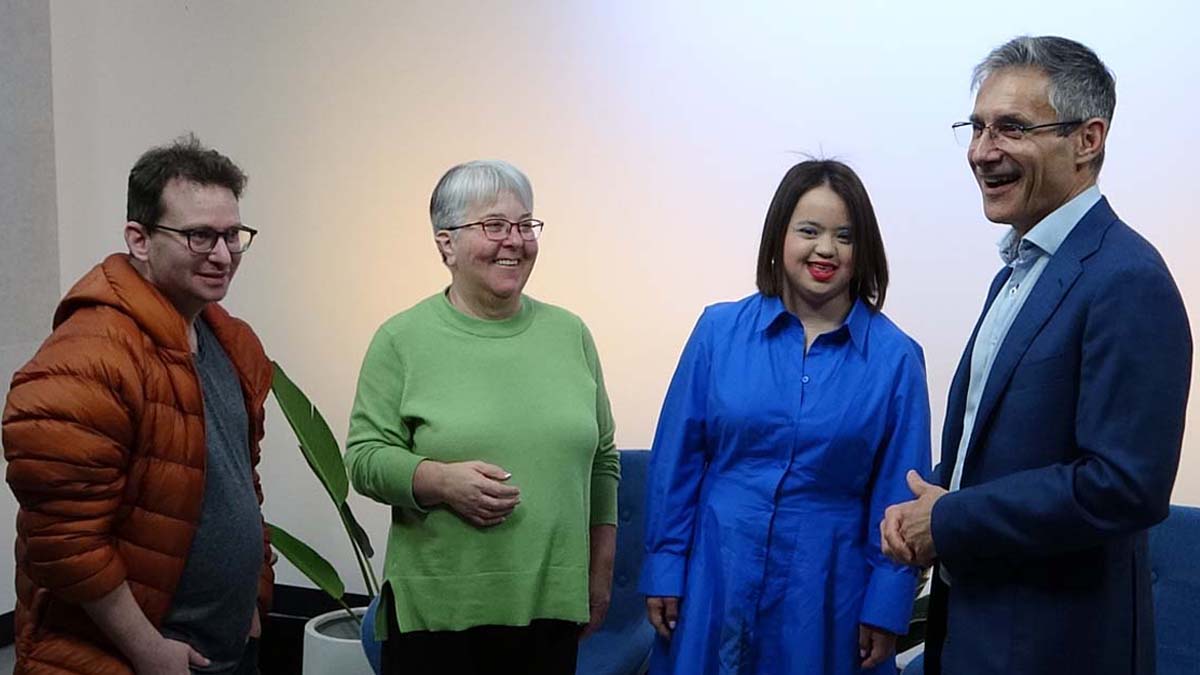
(545, 647)
(935, 624)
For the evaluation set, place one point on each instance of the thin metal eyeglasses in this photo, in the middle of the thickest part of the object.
(967, 133)
(498, 229)
(204, 239)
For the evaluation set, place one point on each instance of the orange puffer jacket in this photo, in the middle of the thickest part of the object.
(104, 436)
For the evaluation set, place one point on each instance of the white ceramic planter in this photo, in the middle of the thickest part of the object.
(332, 645)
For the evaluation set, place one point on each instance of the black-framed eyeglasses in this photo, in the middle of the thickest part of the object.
(968, 133)
(498, 229)
(204, 239)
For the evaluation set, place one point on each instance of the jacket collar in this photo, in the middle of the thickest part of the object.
(115, 283)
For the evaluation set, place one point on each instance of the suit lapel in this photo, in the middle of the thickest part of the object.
(1058, 277)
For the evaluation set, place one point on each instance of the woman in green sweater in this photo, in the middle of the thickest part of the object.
(481, 419)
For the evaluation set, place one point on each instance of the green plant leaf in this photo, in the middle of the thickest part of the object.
(309, 562)
(317, 443)
(356, 531)
(324, 457)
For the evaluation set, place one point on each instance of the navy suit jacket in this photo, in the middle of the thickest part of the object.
(1073, 456)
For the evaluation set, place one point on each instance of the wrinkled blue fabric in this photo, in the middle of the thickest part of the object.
(770, 472)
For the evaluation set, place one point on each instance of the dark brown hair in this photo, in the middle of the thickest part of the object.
(187, 159)
(870, 274)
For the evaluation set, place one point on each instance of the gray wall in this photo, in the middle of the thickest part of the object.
(29, 271)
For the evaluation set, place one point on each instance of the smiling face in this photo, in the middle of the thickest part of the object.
(189, 280)
(818, 254)
(1022, 181)
(487, 276)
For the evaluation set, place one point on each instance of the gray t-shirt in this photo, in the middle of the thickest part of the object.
(215, 600)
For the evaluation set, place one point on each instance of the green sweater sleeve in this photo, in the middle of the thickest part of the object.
(606, 464)
(379, 445)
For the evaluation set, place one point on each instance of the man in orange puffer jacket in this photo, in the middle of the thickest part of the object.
(132, 440)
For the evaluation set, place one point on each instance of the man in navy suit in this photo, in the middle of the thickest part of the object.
(1066, 413)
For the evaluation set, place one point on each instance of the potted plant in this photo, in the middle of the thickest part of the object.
(331, 641)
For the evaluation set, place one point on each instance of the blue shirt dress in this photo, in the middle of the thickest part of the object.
(770, 472)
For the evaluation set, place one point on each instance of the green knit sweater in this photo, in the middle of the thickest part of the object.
(525, 394)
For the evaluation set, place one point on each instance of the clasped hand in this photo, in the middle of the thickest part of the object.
(474, 490)
(905, 532)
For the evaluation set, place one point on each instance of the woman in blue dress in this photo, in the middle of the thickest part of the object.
(789, 426)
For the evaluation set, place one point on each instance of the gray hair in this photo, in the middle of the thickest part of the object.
(476, 182)
(1081, 86)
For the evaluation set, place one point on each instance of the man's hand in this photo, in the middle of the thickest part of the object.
(663, 613)
(874, 645)
(122, 620)
(255, 627)
(168, 657)
(474, 490)
(905, 534)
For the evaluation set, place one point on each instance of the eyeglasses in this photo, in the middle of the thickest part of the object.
(969, 133)
(204, 239)
(498, 229)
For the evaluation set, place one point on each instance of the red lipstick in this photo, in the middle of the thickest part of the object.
(821, 271)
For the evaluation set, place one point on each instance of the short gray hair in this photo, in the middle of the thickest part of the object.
(476, 182)
(1081, 86)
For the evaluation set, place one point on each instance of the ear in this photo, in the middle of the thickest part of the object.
(137, 238)
(445, 245)
(1092, 135)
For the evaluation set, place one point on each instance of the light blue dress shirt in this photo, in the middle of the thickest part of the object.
(1027, 257)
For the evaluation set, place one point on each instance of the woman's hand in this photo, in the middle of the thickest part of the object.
(599, 598)
(874, 645)
(663, 613)
(474, 490)
(603, 544)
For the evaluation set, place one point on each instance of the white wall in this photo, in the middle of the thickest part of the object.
(654, 133)
(28, 236)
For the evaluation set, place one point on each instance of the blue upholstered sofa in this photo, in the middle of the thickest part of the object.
(622, 645)
(1175, 574)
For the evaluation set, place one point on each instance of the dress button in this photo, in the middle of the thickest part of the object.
(804, 379)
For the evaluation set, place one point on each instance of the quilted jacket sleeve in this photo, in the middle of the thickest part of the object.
(67, 430)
